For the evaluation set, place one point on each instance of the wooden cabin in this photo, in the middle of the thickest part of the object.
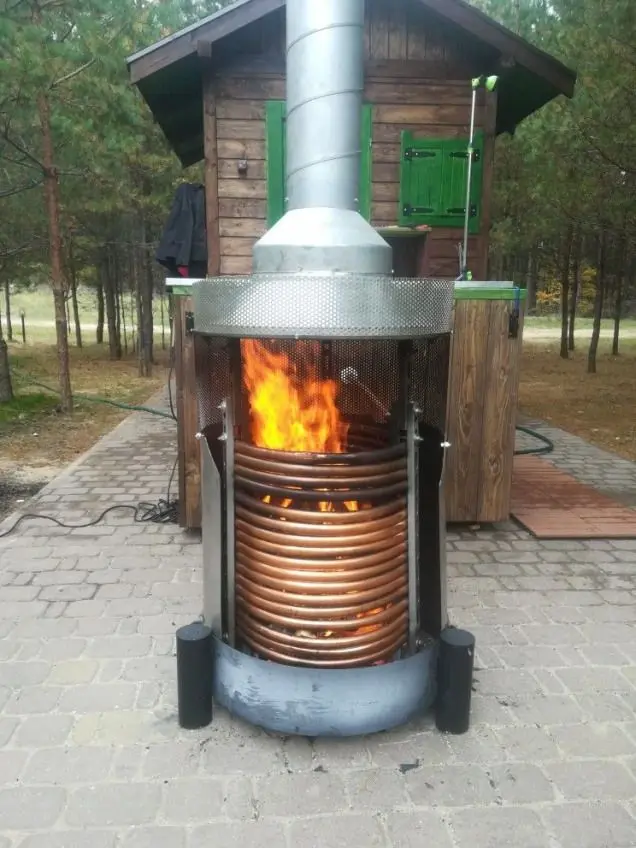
(217, 90)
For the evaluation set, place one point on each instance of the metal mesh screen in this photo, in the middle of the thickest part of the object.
(326, 306)
(213, 379)
(368, 375)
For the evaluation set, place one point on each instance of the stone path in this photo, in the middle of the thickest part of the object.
(91, 755)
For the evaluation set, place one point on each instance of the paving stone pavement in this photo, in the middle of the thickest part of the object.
(91, 755)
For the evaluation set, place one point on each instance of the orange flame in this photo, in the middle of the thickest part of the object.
(292, 409)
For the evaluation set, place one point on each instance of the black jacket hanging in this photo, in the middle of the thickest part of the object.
(183, 249)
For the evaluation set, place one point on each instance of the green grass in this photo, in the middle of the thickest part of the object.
(26, 406)
(38, 307)
(553, 322)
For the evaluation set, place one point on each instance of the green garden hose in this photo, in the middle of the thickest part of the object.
(94, 399)
(548, 445)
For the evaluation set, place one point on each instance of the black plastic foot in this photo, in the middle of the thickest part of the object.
(454, 680)
(194, 675)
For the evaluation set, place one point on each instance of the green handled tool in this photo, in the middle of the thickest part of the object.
(490, 84)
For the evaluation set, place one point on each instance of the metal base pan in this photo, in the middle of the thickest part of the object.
(324, 702)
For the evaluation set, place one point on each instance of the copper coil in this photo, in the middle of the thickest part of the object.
(327, 589)
(327, 523)
(310, 546)
(323, 653)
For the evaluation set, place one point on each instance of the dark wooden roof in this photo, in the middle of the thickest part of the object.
(168, 73)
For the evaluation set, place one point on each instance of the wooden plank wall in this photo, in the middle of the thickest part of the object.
(401, 43)
(482, 405)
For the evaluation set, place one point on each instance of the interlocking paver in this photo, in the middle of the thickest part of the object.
(93, 756)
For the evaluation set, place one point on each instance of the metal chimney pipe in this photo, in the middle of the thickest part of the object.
(325, 84)
(322, 231)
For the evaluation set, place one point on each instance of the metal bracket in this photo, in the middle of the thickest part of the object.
(514, 318)
(409, 210)
(413, 153)
(227, 437)
(189, 323)
(461, 210)
(463, 154)
(413, 439)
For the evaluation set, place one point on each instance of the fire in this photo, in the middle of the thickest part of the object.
(292, 409)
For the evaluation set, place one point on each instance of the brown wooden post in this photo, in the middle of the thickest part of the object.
(189, 456)
(211, 171)
(188, 418)
(490, 135)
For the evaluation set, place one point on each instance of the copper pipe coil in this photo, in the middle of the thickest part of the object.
(279, 543)
(270, 529)
(350, 625)
(341, 643)
(324, 481)
(318, 657)
(318, 588)
(316, 605)
(319, 543)
(324, 494)
(387, 559)
(317, 594)
(306, 470)
(315, 588)
(341, 578)
(330, 523)
(383, 454)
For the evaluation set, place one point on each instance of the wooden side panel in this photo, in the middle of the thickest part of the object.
(465, 409)
(188, 420)
(501, 391)
(240, 110)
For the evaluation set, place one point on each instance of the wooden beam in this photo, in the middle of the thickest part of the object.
(211, 29)
(481, 27)
(490, 134)
(210, 151)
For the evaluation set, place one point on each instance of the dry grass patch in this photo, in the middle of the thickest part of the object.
(600, 408)
(33, 430)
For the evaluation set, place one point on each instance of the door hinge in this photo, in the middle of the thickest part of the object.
(461, 210)
(409, 210)
(463, 154)
(189, 322)
(414, 153)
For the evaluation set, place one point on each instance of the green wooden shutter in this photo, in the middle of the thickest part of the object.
(276, 161)
(433, 182)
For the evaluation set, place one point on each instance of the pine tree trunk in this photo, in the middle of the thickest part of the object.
(618, 313)
(6, 389)
(598, 307)
(7, 310)
(576, 287)
(163, 322)
(147, 286)
(565, 287)
(52, 198)
(531, 282)
(111, 313)
(75, 304)
(99, 334)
